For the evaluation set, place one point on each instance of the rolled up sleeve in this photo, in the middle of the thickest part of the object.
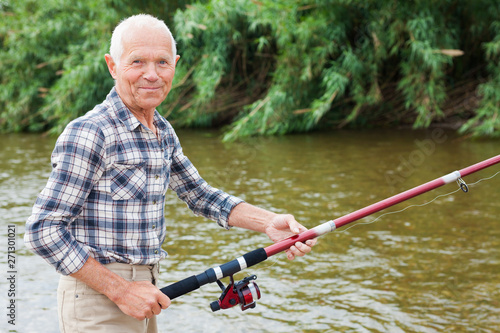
(76, 164)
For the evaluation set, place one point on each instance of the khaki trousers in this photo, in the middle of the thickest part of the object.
(81, 309)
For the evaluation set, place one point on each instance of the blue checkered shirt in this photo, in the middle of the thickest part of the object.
(106, 193)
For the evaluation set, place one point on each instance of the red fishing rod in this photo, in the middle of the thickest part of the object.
(246, 292)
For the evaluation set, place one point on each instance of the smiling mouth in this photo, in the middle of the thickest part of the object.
(149, 88)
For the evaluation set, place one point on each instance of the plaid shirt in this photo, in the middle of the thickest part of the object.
(106, 193)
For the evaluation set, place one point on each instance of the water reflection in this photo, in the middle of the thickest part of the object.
(427, 269)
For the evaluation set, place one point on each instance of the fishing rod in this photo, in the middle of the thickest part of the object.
(246, 292)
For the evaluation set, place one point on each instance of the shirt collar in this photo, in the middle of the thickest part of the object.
(126, 117)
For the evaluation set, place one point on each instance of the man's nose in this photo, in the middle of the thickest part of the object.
(150, 74)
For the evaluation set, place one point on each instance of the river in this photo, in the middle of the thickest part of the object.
(430, 268)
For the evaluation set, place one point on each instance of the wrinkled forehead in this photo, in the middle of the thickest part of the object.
(146, 38)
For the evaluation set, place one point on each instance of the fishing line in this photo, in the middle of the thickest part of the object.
(462, 187)
(271, 264)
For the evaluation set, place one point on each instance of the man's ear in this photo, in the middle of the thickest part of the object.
(111, 65)
(177, 57)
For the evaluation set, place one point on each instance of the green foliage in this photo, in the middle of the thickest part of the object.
(52, 65)
(338, 62)
(264, 66)
(486, 122)
(38, 54)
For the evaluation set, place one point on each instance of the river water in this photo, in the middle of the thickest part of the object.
(432, 268)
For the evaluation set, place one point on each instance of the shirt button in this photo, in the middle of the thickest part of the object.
(154, 202)
(157, 176)
(156, 251)
(154, 226)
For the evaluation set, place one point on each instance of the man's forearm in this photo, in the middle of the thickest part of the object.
(250, 217)
(101, 279)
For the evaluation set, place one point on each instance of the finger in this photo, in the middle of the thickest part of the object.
(288, 221)
(295, 226)
(295, 251)
(311, 242)
(301, 249)
(164, 301)
(156, 309)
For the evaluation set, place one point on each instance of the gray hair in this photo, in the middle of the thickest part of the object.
(136, 21)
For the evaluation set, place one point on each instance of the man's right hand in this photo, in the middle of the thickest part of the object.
(141, 300)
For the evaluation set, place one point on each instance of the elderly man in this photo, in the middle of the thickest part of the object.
(99, 220)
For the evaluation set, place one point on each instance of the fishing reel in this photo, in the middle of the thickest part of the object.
(245, 292)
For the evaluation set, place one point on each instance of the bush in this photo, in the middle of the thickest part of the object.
(266, 66)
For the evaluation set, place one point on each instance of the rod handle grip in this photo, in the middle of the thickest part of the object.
(181, 287)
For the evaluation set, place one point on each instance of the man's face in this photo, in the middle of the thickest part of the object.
(146, 69)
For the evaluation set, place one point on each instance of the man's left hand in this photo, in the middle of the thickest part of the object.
(283, 226)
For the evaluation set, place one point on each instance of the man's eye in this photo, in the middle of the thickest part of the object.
(136, 62)
(163, 62)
